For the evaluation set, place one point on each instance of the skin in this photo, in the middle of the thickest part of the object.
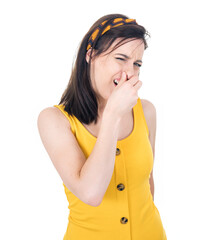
(106, 68)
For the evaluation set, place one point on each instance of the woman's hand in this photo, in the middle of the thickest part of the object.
(125, 95)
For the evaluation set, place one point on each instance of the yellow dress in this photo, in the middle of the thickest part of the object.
(127, 211)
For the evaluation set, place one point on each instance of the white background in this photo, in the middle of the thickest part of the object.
(38, 43)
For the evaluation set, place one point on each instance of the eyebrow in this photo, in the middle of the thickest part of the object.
(127, 57)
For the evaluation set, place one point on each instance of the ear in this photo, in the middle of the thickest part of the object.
(88, 55)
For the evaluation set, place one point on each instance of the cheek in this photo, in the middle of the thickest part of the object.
(104, 74)
(114, 70)
(114, 66)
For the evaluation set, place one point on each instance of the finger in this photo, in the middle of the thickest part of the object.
(138, 85)
(133, 80)
(122, 79)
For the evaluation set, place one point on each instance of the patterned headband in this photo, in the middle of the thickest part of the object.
(116, 22)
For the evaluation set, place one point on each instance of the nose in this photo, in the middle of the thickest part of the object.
(130, 71)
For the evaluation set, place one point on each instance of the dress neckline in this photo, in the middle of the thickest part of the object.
(121, 140)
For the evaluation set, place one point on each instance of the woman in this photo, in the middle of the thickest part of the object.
(101, 137)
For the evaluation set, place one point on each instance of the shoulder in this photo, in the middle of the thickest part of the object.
(52, 114)
(148, 108)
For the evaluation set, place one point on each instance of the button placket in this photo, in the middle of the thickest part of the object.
(123, 220)
(122, 198)
(121, 187)
(117, 151)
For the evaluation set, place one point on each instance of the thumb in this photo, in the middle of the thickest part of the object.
(122, 79)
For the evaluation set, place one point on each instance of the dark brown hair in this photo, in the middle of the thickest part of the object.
(79, 98)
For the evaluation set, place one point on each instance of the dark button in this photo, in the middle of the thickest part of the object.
(123, 220)
(120, 186)
(117, 151)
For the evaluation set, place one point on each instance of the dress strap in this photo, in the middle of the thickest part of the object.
(141, 111)
(69, 117)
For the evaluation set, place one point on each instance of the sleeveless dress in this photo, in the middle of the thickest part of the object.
(127, 211)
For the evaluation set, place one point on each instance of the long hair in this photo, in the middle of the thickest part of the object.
(79, 98)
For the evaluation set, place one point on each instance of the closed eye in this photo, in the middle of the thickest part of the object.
(138, 65)
(121, 59)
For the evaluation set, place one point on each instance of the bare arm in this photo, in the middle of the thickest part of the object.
(97, 171)
(89, 178)
(151, 182)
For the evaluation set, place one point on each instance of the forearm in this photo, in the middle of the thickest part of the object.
(97, 171)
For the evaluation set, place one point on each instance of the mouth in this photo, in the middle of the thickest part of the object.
(115, 82)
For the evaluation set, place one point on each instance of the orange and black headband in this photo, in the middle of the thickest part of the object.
(116, 22)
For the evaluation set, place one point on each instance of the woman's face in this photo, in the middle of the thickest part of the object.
(106, 68)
